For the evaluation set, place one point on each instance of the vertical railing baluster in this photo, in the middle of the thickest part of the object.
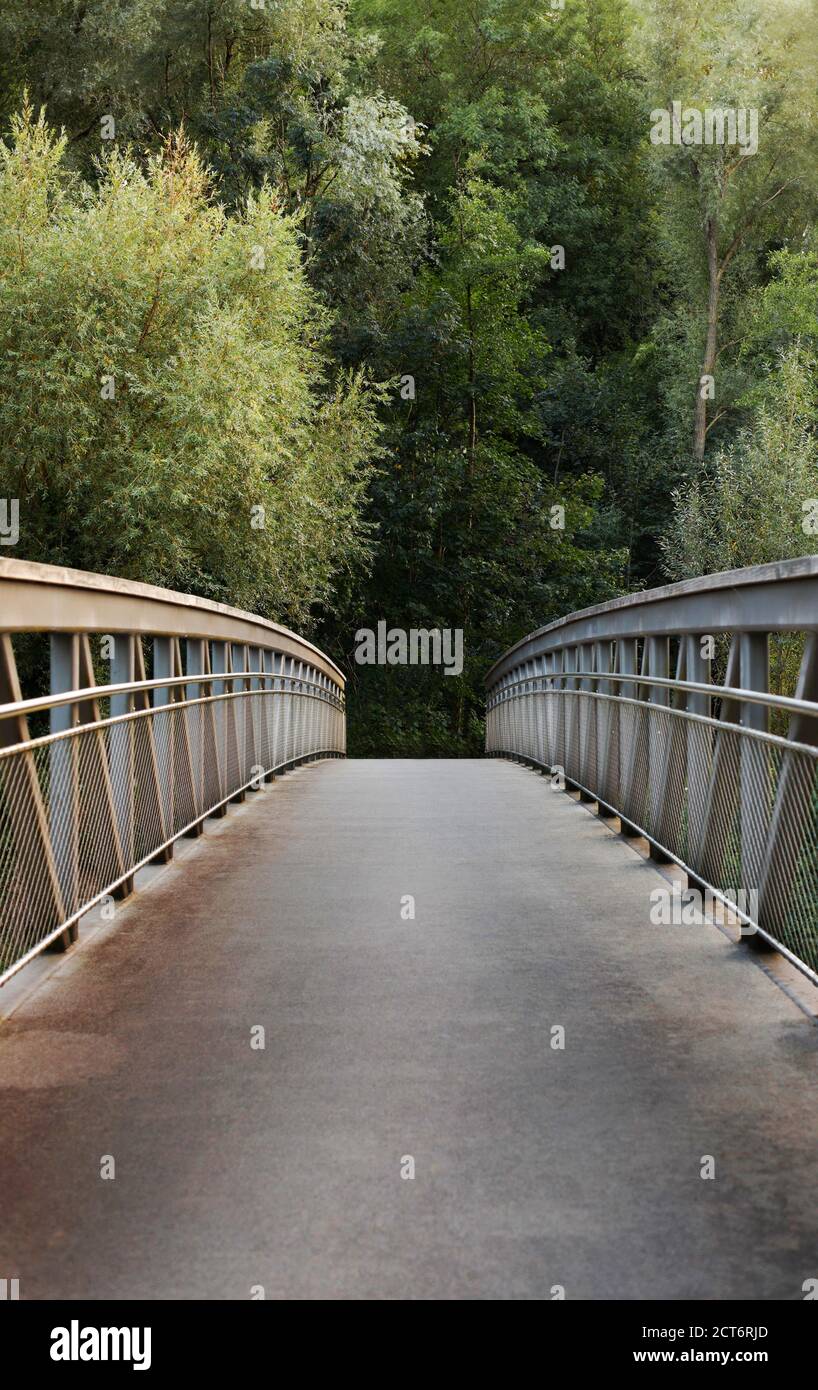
(163, 668)
(64, 788)
(721, 806)
(289, 683)
(123, 779)
(267, 703)
(755, 810)
(218, 667)
(658, 698)
(279, 711)
(238, 666)
(253, 726)
(607, 750)
(195, 664)
(698, 671)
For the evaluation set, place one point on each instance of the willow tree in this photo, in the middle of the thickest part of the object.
(166, 406)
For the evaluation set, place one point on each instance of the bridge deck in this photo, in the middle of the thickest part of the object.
(384, 1038)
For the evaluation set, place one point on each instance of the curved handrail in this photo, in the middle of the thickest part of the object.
(52, 598)
(786, 703)
(40, 703)
(779, 597)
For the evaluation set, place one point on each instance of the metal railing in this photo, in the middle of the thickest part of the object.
(128, 767)
(690, 765)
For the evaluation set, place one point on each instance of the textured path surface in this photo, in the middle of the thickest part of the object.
(534, 1167)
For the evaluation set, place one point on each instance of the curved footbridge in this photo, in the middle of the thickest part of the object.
(409, 1029)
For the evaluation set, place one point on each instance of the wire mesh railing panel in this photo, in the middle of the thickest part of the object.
(81, 810)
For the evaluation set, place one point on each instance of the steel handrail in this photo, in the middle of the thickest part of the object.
(721, 692)
(152, 711)
(99, 692)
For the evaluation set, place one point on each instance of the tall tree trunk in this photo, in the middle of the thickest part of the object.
(471, 448)
(711, 346)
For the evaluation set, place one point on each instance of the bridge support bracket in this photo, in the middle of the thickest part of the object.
(65, 940)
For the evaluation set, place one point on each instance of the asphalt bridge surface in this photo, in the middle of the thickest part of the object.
(535, 1167)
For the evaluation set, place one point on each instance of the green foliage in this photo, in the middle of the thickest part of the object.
(465, 510)
(767, 474)
(409, 171)
(340, 160)
(724, 208)
(163, 377)
(751, 503)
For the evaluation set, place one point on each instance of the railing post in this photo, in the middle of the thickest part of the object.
(698, 670)
(722, 788)
(315, 710)
(626, 666)
(253, 731)
(538, 699)
(632, 718)
(163, 669)
(573, 739)
(755, 811)
(123, 672)
(309, 707)
(288, 667)
(218, 667)
(658, 740)
(548, 707)
(508, 714)
(607, 731)
(300, 714)
(318, 712)
(672, 783)
(268, 711)
(586, 724)
(560, 747)
(279, 711)
(306, 713)
(195, 724)
(528, 709)
(64, 776)
(292, 712)
(327, 726)
(238, 667)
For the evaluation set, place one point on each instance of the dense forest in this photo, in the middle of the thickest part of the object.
(404, 311)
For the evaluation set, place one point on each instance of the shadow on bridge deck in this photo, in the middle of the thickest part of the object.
(387, 1038)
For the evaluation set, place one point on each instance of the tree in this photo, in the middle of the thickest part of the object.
(731, 200)
(166, 409)
(153, 64)
(472, 533)
(758, 499)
